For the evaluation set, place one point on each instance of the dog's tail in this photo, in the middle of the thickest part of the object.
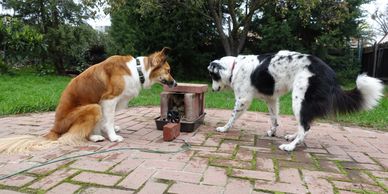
(28, 143)
(25, 143)
(365, 96)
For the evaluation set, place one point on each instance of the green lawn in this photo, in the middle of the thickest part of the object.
(31, 93)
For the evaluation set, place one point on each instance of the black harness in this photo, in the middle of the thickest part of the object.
(141, 75)
(231, 73)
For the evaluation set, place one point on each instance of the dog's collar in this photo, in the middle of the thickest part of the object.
(141, 75)
(231, 73)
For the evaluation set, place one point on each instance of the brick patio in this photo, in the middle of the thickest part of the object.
(334, 159)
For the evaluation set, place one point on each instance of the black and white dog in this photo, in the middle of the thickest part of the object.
(315, 91)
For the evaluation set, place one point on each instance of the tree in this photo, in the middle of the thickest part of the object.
(143, 26)
(322, 28)
(50, 17)
(233, 19)
(381, 19)
(19, 43)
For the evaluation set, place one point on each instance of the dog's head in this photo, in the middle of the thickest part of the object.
(219, 71)
(160, 69)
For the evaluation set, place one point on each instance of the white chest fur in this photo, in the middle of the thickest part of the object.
(132, 86)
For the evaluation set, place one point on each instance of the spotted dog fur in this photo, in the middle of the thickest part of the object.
(315, 91)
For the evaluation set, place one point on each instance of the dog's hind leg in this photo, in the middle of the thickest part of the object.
(300, 86)
(298, 137)
(86, 119)
(241, 105)
(291, 137)
(273, 108)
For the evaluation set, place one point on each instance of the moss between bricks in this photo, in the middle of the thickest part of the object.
(335, 189)
(276, 168)
(254, 160)
(221, 142)
(209, 134)
(141, 187)
(229, 171)
(316, 161)
(234, 153)
(12, 188)
(379, 183)
(376, 161)
(109, 169)
(268, 191)
(40, 177)
(273, 148)
(86, 185)
(362, 191)
(168, 182)
(255, 140)
(293, 157)
(340, 167)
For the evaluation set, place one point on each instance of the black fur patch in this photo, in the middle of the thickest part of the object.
(261, 79)
(214, 69)
(215, 76)
(264, 56)
(317, 100)
(216, 66)
(324, 96)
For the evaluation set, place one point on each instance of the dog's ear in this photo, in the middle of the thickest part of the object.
(165, 50)
(214, 67)
(209, 68)
(160, 57)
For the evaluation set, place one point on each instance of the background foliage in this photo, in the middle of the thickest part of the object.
(53, 36)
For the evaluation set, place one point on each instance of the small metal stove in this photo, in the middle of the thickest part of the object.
(185, 104)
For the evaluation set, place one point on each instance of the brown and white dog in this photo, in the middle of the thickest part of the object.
(87, 106)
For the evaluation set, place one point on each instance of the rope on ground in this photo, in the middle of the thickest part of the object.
(186, 146)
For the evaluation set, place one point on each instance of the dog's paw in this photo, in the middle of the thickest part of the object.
(290, 137)
(115, 138)
(117, 128)
(96, 138)
(271, 133)
(287, 147)
(221, 129)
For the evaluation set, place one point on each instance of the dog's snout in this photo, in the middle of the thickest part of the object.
(172, 83)
(217, 89)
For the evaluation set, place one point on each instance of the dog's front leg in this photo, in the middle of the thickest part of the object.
(108, 113)
(241, 105)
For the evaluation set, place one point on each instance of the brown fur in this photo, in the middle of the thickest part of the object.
(79, 111)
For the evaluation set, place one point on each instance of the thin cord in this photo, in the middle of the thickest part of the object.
(186, 146)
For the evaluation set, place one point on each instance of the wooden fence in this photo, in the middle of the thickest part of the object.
(375, 61)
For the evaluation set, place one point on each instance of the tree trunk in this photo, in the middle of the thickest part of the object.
(57, 54)
(234, 42)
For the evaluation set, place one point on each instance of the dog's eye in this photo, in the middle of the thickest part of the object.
(215, 76)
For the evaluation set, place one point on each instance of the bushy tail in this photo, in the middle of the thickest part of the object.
(24, 143)
(365, 96)
(27, 143)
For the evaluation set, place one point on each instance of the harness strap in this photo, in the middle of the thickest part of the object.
(231, 73)
(141, 75)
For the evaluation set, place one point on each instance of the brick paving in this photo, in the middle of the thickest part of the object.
(333, 159)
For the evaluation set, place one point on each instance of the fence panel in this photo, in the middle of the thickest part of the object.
(375, 61)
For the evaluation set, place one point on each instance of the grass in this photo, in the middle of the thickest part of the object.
(27, 92)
